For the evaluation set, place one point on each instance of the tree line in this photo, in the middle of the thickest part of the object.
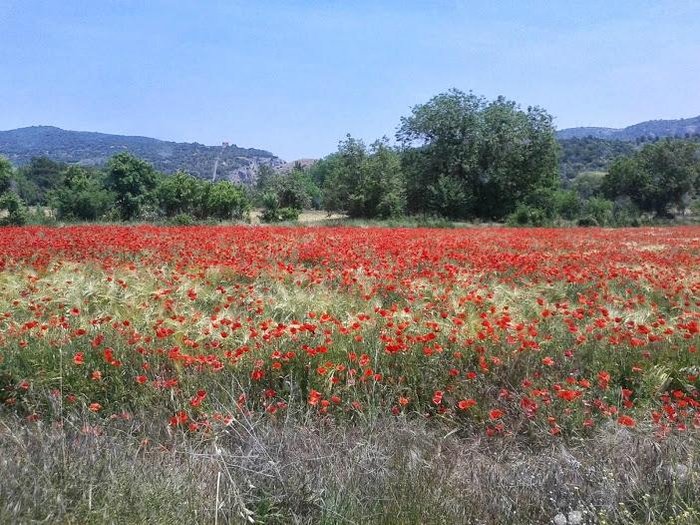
(459, 156)
(127, 189)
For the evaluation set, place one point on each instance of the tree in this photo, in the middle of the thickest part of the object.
(36, 180)
(295, 190)
(224, 201)
(179, 193)
(81, 196)
(344, 187)
(15, 210)
(5, 175)
(659, 176)
(132, 180)
(588, 184)
(365, 182)
(483, 157)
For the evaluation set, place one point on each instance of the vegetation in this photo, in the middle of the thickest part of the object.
(332, 375)
(476, 159)
(13, 211)
(586, 154)
(459, 157)
(365, 183)
(659, 177)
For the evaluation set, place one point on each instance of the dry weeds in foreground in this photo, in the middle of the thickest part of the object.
(382, 471)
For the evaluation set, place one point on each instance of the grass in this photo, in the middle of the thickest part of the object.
(495, 316)
(300, 471)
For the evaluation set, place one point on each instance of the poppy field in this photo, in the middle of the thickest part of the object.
(498, 331)
(545, 336)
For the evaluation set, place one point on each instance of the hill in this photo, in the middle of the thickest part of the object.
(89, 148)
(651, 129)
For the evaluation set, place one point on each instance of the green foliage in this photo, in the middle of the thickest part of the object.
(179, 193)
(321, 170)
(527, 215)
(365, 182)
(483, 157)
(132, 180)
(15, 211)
(446, 197)
(598, 211)
(588, 184)
(5, 175)
(626, 212)
(273, 212)
(28, 190)
(296, 189)
(38, 178)
(183, 219)
(658, 177)
(589, 154)
(81, 196)
(224, 201)
(567, 204)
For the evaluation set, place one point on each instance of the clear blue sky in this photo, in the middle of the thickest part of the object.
(294, 77)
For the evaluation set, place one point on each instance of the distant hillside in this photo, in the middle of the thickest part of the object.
(301, 163)
(651, 129)
(591, 154)
(88, 148)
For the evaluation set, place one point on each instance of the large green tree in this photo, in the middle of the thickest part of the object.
(132, 180)
(657, 178)
(467, 157)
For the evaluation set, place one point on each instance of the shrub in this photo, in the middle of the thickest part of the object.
(16, 213)
(525, 215)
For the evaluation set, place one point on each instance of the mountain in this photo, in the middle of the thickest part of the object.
(650, 129)
(227, 161)
(300, 163)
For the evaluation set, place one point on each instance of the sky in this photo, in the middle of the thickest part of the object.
(294, 77)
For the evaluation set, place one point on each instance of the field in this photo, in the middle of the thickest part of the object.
(349, 375)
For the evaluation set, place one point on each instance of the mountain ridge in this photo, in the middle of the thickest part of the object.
(649, 129)
(93, 148)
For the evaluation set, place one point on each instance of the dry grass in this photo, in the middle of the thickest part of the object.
(298, 471)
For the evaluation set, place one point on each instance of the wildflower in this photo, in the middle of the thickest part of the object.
(314, 397)
(626, 421)
(466, 404)
(495, 414)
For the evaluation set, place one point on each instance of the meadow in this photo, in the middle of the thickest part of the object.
(349, 375)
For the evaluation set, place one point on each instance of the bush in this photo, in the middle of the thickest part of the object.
(599, 209)
(183, 219)
(626, 213)
(588, 221)
(289, 214)
(81, 197)
(527, 216)
(16, 213)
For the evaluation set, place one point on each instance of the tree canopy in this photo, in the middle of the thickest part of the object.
(659, 176)
(475, 158)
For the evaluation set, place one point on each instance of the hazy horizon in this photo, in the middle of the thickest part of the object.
(295, 77)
